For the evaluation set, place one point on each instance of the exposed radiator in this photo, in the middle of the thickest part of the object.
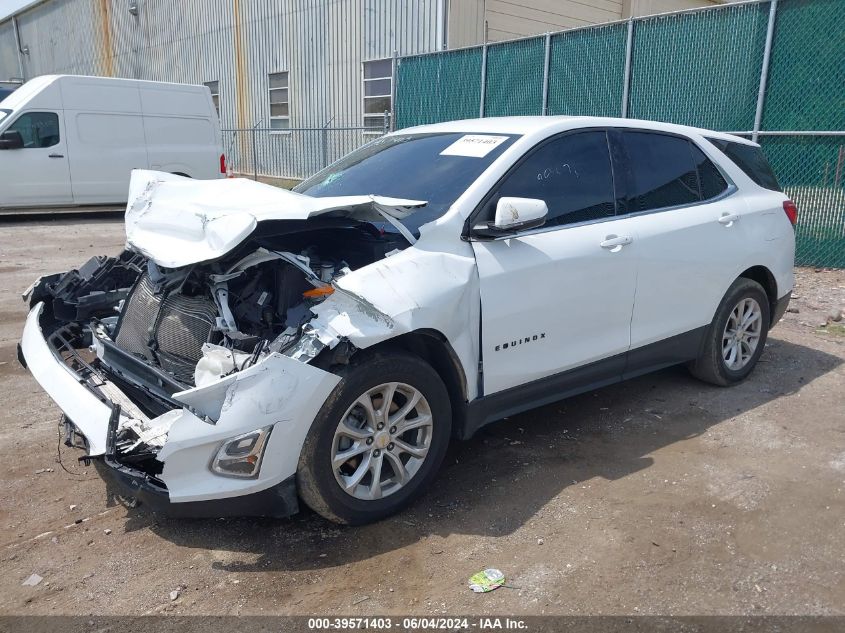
(168, 329)
(184, 324)
(137, 322)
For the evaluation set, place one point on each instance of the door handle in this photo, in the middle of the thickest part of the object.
(728, 218)
(57, 155)
(614, 243)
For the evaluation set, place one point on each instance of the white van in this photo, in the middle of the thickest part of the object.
(69, 140)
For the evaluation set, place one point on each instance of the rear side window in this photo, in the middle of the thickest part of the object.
(751, 160)
(571, 173)
(711, 180)
(662, 171)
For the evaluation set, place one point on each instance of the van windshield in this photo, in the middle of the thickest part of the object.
(436, 168)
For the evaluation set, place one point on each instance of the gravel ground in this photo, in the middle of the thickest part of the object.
(661, 495)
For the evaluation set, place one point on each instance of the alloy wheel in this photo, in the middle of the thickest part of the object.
(381, 441)
(742, 334)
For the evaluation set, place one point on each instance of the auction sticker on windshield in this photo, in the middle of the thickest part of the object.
(474, 145)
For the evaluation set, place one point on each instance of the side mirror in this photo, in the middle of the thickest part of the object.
(518, 214)
(514, 214)
(11, 139)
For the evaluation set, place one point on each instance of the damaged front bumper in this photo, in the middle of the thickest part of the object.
(277, 391)
(278, 501)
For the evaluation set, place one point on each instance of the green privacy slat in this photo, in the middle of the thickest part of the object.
(811, 171)
(438, 87)
(586, 71)
(806, 84)
(700, 68)
(515, 78)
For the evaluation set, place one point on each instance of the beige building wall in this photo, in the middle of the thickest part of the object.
(639, 8)
(507, 19)
(472, 22)
(465, 23)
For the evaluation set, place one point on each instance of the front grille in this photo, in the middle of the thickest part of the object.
(166, 329)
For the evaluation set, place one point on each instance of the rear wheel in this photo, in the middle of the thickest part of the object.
(378, 441)
(736, 337)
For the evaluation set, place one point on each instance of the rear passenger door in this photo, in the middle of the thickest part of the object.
(689, 229)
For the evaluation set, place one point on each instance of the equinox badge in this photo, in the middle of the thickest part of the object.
(521, 341)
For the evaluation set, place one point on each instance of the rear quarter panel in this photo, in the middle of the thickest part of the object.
(183, 145)
(182, 128)
(771, 235)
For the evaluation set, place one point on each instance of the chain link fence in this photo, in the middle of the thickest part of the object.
(770, 70)
(293, 154)
(438, 87)
(586, 70)
(806, 91)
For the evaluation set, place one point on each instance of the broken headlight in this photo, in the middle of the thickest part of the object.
(241, 456)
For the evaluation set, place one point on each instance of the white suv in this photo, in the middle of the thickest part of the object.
(253, 347)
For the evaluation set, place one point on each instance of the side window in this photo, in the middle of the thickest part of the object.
(712, 182)
(662, 171)
(572, 174)
(750, 159)
(38, 129)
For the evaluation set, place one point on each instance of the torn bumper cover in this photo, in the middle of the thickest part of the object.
(278, 501)
(278, 395)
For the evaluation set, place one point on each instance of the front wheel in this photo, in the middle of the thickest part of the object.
(736, 336)
(378, 440)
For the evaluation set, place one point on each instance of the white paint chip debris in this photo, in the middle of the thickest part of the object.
(33, 580)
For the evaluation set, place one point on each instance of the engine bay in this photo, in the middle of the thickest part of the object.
(150, 331)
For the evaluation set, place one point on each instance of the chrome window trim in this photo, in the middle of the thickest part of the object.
(729, 191)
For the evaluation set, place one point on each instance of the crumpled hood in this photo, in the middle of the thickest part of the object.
(177, 221)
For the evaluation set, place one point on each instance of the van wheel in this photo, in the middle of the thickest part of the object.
(736, 336)
(378, 441)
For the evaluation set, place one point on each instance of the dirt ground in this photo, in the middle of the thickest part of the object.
(661, 495)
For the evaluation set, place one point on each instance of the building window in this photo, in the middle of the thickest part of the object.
(378, 87)
(214, 88)
(279, 102)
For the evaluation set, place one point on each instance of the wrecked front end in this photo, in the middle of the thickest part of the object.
(193, 388)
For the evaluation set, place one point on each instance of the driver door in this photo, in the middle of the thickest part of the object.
(36, 174)
(559, 297)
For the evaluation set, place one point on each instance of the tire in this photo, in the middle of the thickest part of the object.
(716, 363)
(320, 484)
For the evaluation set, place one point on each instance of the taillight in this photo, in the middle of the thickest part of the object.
(223, 164)
(791, 211)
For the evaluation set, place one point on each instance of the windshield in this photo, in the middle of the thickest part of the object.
(436, 168)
